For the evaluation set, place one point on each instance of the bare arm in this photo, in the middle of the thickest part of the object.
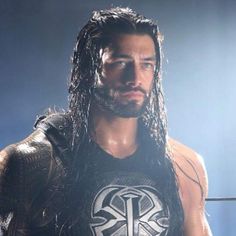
(192, 178)
(195, 222)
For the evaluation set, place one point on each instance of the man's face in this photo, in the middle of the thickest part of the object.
(126, 77)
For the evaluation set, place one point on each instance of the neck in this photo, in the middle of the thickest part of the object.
(116, 135)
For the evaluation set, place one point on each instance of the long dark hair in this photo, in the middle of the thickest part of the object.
(93, 37)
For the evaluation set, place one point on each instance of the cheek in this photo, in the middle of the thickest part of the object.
(148, 82)
(110, 78)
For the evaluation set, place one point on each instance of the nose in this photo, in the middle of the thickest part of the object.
(133, 75)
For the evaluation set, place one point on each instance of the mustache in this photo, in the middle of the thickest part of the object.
(131, 89)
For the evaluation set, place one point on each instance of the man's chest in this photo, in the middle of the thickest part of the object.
(119, 203)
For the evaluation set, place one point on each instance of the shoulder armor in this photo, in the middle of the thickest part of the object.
(8, 162)
(58, 129)
(32, 171)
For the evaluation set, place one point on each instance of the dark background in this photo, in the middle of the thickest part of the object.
(36, 42)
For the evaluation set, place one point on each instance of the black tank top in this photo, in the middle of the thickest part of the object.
(118, 197)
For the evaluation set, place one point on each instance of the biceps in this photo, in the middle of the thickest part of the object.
(196, 224)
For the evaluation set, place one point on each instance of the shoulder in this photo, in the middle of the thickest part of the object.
(34, 143)
(190, 171)
(27, 154)
(183, 155)
(49, 140)
(28, 146)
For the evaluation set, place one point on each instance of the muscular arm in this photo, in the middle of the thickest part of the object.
(193, 185)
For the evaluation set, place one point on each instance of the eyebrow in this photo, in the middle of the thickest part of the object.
(118, 55)
(152, 58)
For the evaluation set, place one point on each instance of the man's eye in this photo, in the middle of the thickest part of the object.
(148, 65)
(120, 63)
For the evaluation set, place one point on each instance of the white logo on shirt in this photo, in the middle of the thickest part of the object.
(128, 211)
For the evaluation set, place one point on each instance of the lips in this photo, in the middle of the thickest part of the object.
(132, 94)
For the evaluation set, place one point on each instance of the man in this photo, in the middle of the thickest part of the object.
(107, 166)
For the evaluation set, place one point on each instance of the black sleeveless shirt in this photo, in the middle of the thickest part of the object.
(118, 197)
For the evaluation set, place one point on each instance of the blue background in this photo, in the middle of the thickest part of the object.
(36, 42)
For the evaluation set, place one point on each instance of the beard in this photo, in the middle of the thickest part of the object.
(110, 99)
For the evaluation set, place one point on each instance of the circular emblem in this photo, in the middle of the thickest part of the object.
(119, 210)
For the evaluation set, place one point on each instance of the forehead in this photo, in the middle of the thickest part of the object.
(131, 43)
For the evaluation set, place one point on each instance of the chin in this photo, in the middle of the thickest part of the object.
(131, 110)
(125, 109)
